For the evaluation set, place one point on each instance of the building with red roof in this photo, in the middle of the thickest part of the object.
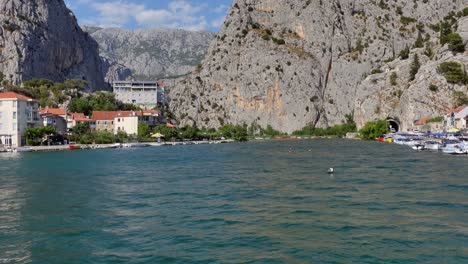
(126, 121)
(17, 113)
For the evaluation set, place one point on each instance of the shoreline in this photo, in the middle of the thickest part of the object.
(110, 146)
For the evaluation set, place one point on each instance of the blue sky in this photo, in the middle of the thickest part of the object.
(133, 14)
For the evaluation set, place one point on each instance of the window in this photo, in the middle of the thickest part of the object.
(118, 120)
(14, 103)
(14, 127)
(14, 115)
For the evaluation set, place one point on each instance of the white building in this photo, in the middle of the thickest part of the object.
(142, 93)
(17, 113)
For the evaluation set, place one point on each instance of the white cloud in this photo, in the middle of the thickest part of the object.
(178, 14)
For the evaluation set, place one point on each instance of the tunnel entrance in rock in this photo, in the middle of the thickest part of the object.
(394, 125)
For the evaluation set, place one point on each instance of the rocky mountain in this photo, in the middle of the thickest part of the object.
(291, 63)
(149, 53)
(41, 39)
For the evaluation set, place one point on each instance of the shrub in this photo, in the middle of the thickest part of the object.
(393, 79)
(415, 65)
(419, 41)
(372, 130)
(279, 41)
(455, 43)
(404, 53)
(433, 87)
(452, 71)
(435, 119)
(407, 20)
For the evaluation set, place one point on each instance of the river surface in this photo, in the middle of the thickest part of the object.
(257, 202)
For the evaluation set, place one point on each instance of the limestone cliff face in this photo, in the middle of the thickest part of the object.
(290, 63)
(408, 100)
(41, 39)
(149, 54)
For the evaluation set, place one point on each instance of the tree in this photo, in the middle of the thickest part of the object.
(452, 71)
(393, 78)
(445, 30)
(35, 135)
(460, 98)
(372, 130)
(143, 130)
(415, 65)
(103, 101)
(36, 83)
(189, 132)
(80, 105)
(404, 53)
(75, 86)
(455, 43)
(166, 131)
(419, 41)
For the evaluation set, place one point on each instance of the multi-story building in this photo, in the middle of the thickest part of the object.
(17, 113)
(142, 93)
(55, 117)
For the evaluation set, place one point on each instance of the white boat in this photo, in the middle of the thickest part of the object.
(418, 147)
(432, 145)
(134, 145)
(454, 150)
(23, 149)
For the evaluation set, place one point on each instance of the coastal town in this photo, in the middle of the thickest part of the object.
(19, 114)
(26, 126)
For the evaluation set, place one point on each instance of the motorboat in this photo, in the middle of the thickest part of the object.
(454, 150)
(22, 149)
(134, 145)
(418, 146)
(432, 145)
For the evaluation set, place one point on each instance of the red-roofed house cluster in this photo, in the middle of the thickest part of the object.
(454, 119)
(19, 112)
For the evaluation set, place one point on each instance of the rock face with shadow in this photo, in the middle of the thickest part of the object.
(42, 39)
(292, 63)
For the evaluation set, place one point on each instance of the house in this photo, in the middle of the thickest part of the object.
(74, 119)
(104, 120)
(449, 118)
(55, 117)
(17, 113)
(125, 121)
(461, 118)
(429, 124)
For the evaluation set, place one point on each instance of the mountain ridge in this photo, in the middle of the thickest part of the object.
(149, 54)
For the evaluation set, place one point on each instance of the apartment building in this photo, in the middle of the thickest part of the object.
(17, 113)
(142, 93)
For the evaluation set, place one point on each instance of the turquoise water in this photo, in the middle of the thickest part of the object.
(270, 202)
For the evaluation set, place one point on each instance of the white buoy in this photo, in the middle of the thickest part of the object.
(331, 170)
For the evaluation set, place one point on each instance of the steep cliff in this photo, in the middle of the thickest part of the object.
(41, 39)
(149, 53)
(291, 63)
